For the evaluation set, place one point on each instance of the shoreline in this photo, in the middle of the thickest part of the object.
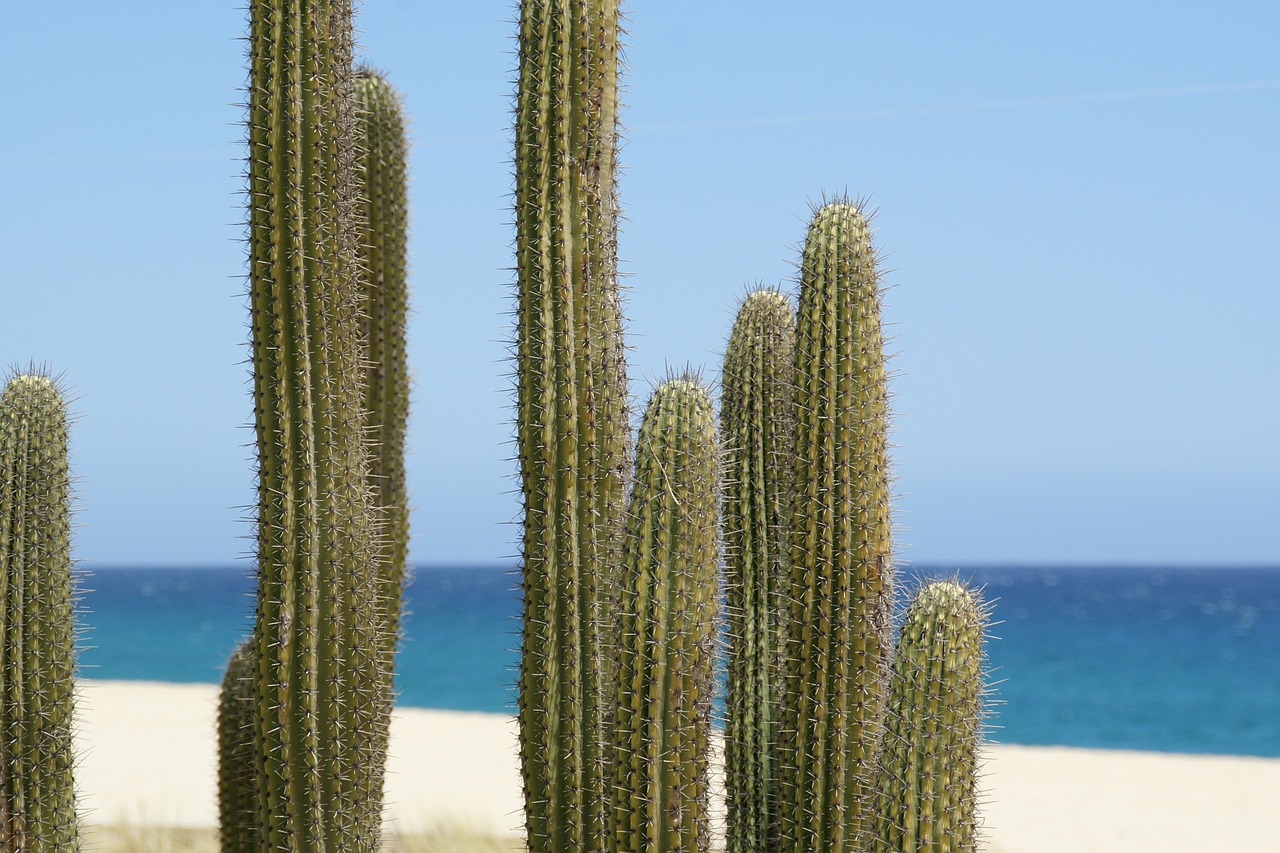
(146, 754)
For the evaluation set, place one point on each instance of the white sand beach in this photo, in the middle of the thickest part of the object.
(148, 756)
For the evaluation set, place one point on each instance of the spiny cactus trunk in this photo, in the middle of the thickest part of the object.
(757, 417)
(571, 411)
(928, 769)
(382, 175)
(321, 710)
(666, 629)
(837, 644)
(237, 796)
(37, 798)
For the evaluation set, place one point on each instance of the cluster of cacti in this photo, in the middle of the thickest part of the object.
(305, 704)
(37, 796)
(808, 561)
(834, 742)
(571, 412)
(846, 770)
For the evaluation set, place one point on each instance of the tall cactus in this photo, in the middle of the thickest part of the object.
(837, 643)
(321, 712)
(757, 418)
(382, 175)
(571, 420)
(37, 798)
(237, 796)
(666, 629)
(927, 784)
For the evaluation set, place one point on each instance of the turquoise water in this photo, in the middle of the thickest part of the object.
(460, 628)
(1176, 660)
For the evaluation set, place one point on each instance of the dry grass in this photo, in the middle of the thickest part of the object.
(131, 838)
(451, 840)
(134, 838)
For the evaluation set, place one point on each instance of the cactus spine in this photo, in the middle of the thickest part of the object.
(321, 710)
(237, 798)
(834, 681)
(666, 629)
(927, 784)
(382, 174)
(757, 417)
(37, 798)
(571, 421)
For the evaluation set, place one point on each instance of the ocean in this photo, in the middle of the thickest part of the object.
(1164, 659)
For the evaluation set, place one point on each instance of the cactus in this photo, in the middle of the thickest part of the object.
(321, 707)
(37, 798)
(835, 665)
(382, 175)
(571, 419)
(237, 798)
(660, 740)
(927, 783)
(756, 411)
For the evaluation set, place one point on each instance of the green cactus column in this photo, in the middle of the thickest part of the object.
(758, 425)
(382, 173)
(571, 419)
(661, 737)
(37, 798)
(927, 785)
(237, 797)
(321, 708)
(837, 644)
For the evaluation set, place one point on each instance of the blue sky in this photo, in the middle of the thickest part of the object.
(1078, 208)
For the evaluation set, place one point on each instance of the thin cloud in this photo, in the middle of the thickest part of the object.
(969, 107)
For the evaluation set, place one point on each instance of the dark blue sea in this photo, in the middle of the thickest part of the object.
(1165, 659)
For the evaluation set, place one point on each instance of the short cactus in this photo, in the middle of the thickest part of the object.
(838, 630)
(37, 797)
(757, 424)
(237, 796)
(321, 702)
(571, 412)
(927, 784)
(666, 630)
